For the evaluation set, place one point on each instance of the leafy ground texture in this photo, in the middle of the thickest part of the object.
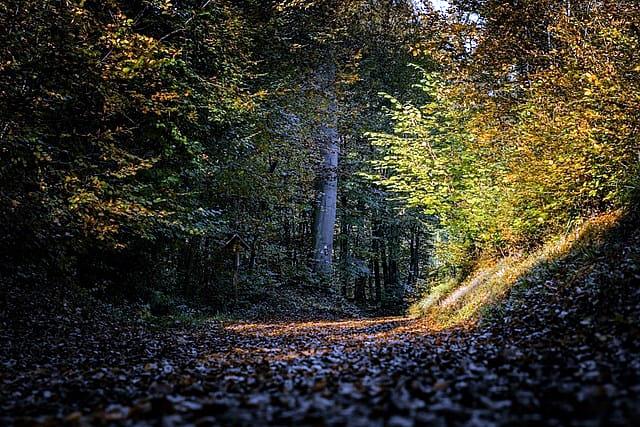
(562, 349)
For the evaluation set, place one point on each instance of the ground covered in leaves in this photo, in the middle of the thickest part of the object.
(391, 371)
(564, 349)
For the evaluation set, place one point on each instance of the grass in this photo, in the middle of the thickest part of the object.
(188, 318)
(451, 303)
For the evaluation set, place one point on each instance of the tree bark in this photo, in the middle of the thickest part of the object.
(393, 243)
(376, 264)
(359, 294)
(414, 257)
(344, 245)
(385, 265)
(326, 201)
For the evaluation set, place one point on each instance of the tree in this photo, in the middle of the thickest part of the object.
(327, 197)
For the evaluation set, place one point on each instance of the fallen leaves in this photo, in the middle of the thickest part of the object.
(557, 356)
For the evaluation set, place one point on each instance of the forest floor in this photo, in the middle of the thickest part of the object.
(88, 368)
(562, 350)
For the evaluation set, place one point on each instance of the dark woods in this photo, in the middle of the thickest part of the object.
(138, 136)
(367, 148)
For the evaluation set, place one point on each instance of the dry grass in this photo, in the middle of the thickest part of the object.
(452, 304)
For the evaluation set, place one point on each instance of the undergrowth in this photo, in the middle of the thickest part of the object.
(462, 303)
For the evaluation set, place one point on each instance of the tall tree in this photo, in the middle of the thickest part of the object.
(329, 145)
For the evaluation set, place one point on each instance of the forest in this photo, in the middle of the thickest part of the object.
(319, 213)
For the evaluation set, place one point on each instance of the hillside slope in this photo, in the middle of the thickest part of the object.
(588, 272)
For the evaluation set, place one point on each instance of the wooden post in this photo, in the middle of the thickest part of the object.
(236, 244)
(236, 274)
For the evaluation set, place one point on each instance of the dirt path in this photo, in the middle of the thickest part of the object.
(555, 353)
(390, 371)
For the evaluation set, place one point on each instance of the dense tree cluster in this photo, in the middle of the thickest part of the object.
(531, 125)
(137, 136)
(209, 209)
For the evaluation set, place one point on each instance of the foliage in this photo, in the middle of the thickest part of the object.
(111, 115)
(450, 303)
(524, 132)
(136, 136)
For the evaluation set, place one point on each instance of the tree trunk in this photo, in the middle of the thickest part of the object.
(411, 255)
(414, 258)
(392, 257)
(376, 264)
(385, 265)
(326, 201)
(370, 284)
(393, 273)
(359, 295)
(344, 246)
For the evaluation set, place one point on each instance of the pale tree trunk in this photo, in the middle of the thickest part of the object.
(326, 199)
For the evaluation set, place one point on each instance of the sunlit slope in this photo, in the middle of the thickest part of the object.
(597, 253)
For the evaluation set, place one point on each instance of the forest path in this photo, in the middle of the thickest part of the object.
(368, 372)
(396, 371)
(327, 335)
(353, 372)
